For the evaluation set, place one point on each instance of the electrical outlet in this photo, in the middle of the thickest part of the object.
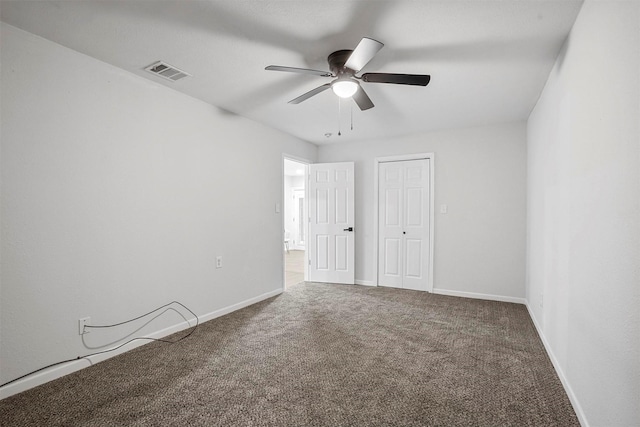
(82, 323)
(219, 262)
(541, 300)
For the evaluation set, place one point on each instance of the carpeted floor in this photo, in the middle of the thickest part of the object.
(322, 355)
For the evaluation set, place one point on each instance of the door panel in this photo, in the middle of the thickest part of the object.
(414, 209)
(342, 247)
(322, 252)
(392, 208)
(322, 206)
(413, 255)
(342, 206)
(331, 207)
(392, 258)
(342, 176)
(322, 176)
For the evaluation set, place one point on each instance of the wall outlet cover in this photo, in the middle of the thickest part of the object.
(81, 325)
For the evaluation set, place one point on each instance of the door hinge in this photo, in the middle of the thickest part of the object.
(309, 262)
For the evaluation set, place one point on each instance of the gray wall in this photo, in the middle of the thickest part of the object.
(583, 281)
(117, 196)
(480, 173)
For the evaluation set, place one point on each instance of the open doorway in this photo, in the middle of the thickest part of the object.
(295, 226)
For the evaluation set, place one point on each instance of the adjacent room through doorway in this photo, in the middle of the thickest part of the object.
(295, 227)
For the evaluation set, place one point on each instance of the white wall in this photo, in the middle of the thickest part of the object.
(480, 174)
(117, 195)
(583, 280)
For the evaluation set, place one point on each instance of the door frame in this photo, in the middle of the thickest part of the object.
(306, 162)
(376, 225)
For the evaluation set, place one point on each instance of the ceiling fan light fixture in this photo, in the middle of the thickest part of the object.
(344, 88)
(344, 64)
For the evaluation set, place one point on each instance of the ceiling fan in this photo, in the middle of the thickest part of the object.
(344, 64)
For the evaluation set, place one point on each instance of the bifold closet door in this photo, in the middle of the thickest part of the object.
(403, 224)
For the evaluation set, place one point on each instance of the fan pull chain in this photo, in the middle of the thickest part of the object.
(351, 116)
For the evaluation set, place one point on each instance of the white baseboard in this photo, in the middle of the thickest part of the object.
(68, 368)
(480, 296)
(238, 306)
(556, 365)
(364, 282)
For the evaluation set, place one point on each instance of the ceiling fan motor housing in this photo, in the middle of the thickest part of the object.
(336, 63)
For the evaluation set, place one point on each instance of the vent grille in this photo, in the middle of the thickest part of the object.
(166, 71)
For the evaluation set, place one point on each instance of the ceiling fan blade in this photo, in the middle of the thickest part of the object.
(363, 53)
(311, 93)
(298, 70)
(362, 99)
(399, 79)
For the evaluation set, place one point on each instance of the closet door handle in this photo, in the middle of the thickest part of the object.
(348, 229)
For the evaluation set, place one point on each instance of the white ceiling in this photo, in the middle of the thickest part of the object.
(488, 60)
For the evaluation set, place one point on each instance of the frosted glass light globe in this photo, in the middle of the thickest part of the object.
(344, 88)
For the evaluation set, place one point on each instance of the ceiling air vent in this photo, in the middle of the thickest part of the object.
(166, 71)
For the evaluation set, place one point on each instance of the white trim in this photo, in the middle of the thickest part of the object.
(66, 369)
(432, 215)
(238, 306)
(399, 158)
(474, 295)
(376, 226)
(364, 282)
(556, 365)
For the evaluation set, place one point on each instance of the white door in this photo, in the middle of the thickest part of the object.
(331, 218)
(403, 217)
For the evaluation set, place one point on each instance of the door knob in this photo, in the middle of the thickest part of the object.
(348, 229)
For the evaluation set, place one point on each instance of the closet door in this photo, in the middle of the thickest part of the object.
(403, 221)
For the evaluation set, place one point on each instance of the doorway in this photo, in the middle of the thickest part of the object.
(295, 226)
(404, 222)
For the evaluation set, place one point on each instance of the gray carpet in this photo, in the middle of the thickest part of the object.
(322, 355)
